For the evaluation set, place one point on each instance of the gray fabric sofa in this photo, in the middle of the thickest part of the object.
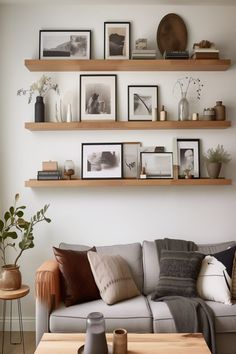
(139, 314)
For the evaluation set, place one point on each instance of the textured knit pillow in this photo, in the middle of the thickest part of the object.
(78, 283)
(214, 281)
(233, 290)
(113, 277)
(178, 274)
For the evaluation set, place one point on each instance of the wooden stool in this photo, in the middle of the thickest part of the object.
(6, 295)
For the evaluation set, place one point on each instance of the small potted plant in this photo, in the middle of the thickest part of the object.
(13, 226)
(39, 88)
(214, 159)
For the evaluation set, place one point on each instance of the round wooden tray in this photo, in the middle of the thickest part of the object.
(172, 34)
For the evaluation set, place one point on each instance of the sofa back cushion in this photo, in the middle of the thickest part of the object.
(151, 267)
(132, 254)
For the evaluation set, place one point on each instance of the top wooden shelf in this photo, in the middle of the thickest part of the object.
(129, 65)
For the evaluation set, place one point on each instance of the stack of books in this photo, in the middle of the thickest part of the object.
(144, 54)
(205, 53)
(49, 175)
(176, 54)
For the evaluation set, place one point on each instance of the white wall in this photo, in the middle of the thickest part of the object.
(111, 215)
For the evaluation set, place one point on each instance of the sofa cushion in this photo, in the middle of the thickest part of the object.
(233, 291)
(113, 277)
(178, 274)
(77, 279)
(132, 254)
(151, 268)
(134, 315)
(225, 317)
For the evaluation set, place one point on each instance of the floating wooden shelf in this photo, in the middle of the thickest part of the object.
(124, 125)
(128, 65)
(80, 183)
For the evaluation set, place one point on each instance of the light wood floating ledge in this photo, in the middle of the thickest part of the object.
(128, 125)
(128, 65)
(33, 183)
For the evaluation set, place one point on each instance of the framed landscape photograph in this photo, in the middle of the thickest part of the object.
(116, 40)
(101, 161)
(131, 168)
(98, 97)
(188, 154)
(141, 101)
(157, 164)
(65, 44)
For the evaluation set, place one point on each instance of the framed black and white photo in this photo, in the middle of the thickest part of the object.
(141, 101)
(101, 160)
(131, 168)
(116, 40)
(188, 154)
(98, 97)
(157, 164)
(65, 44)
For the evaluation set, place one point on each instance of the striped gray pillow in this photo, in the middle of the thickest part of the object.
(178, 273)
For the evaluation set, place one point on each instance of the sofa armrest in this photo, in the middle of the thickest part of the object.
(47, 289)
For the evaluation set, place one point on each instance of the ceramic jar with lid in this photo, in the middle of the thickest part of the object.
(220, 111)
(209, 114)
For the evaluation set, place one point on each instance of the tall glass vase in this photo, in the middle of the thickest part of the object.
(183, 108)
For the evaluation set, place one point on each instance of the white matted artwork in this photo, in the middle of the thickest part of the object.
(157, 164)
(188, 153)
(101, 160)
(131, 159)
(98, 97)
(141, 101)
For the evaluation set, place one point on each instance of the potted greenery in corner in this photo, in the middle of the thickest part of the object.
(214, 159)
(14, 226)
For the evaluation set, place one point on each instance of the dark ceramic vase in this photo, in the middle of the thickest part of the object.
(39, 110)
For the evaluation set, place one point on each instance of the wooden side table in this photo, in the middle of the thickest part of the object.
(6, 295)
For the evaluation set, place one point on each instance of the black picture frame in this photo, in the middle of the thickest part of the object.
(119, 46)
(142, 99)
(188, 155)
(158, 165)
(98, 97)
(101, 161)
(65, 44)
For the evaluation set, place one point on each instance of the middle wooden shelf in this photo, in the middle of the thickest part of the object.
(128, 125)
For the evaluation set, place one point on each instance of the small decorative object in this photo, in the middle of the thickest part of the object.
(154, 114)
(203, 44)
(102, 160)
(49, 165)
(157, 164)
(117, 40)
(214, 159)
(184, 84)
(220, 113)
(163, 113)
(69, 113)
(194, 116)
(98, 97)
(69, 168)
(64, 44)
(95, 339)
(143, 173)
(188, 173)
(40, 88)
(131, 159)
(58, 111)
(188, 154)
(141, 101)
(120, 341)
(141, 43)
(209, 114)
(12, 226)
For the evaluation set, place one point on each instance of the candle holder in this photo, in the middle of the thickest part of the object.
(69, 168)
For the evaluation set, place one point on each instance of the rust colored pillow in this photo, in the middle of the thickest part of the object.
(77, 278)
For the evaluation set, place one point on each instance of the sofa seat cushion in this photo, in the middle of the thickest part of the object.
(225, 317)
(134, 315)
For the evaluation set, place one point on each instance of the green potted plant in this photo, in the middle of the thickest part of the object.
(14, 226)
(214, 159)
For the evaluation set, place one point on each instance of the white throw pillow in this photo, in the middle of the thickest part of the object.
(113, 277)
(214, 282)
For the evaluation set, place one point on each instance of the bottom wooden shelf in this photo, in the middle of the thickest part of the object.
(33, 183)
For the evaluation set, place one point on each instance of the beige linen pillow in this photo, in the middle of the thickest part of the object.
(113, 277)
(233, 290)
